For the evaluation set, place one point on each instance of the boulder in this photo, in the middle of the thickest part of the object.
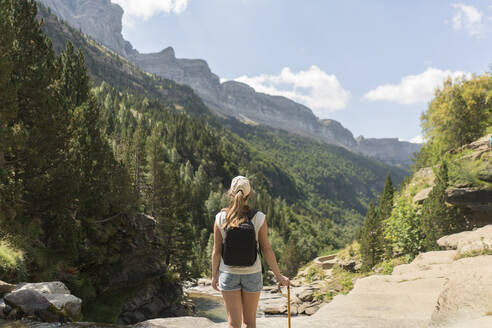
(305, 294)
(352, 265)
(310, 310)
(3, 309)
(49, 301)
(274, 306)
(69, 305)
(468, 241)
(51, 287)
(30, 301)
(6, 288)
(422, 195)
(204, 282)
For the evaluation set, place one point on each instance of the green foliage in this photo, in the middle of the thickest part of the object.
(351, 251)
(341, 280)
(388, 265)
(315, 272)
(403, 229)
(290, 259)
(460, 112)
(11, 261)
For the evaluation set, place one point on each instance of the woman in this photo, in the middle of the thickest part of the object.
(241, 285)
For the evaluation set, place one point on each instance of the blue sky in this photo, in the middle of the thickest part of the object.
(372, 65)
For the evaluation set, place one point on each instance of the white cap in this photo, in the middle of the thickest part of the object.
(240, 183)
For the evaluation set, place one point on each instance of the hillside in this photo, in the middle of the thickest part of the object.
(228, 99)
(331, 162)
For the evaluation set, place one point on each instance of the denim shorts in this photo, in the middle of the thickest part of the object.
(252, 282)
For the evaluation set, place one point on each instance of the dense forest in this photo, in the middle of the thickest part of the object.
(85, 137)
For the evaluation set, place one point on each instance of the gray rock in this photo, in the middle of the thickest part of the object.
(30, 301)
(67, 304)
(467, 242)
(352, 265)
(312, 309)
(100, 19)
(305, 294)
(6, 288)
(14, 314)
(51, 287)
(3, 309)
(422, 195)
(204, 282)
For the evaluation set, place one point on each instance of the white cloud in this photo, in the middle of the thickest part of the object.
(468, 18)
(144, 9)
(314, 88)
(416, 139)
(413, 89)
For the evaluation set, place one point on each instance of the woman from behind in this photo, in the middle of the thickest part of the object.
(236, 266)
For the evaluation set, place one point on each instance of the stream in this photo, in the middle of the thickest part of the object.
(208, 306)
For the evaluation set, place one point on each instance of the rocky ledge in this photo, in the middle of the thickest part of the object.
(45, 301)
(471, 194)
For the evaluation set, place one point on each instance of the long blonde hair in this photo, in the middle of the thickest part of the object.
(238, 209)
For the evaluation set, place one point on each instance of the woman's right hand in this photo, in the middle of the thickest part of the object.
(283, 280)
(215, 282)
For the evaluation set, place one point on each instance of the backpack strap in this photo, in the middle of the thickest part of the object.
(251, 215)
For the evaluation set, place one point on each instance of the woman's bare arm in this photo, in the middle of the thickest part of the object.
(216, 256)
(269, 255)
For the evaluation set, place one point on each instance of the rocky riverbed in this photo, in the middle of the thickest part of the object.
(271, 301)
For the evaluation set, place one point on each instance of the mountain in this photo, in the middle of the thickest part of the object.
(102, 21)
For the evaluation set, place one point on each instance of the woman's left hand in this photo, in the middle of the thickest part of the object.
(283, 280)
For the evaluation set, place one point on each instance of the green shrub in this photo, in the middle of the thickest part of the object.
(403, 228)
(11, 262)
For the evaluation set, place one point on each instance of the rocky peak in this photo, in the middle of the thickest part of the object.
(100, 19)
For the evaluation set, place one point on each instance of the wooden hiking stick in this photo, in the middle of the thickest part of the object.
(288, 300)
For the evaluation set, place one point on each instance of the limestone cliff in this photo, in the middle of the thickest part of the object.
(101, 20)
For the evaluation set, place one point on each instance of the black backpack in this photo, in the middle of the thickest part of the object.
(239, 247)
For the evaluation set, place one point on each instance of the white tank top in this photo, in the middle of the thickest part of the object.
(257, 221)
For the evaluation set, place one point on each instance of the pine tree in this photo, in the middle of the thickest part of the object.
(11, 132)
(371, 243)
(385, 206)
(169, 207)
(439, 219)
(291, 258)
(73, 83)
